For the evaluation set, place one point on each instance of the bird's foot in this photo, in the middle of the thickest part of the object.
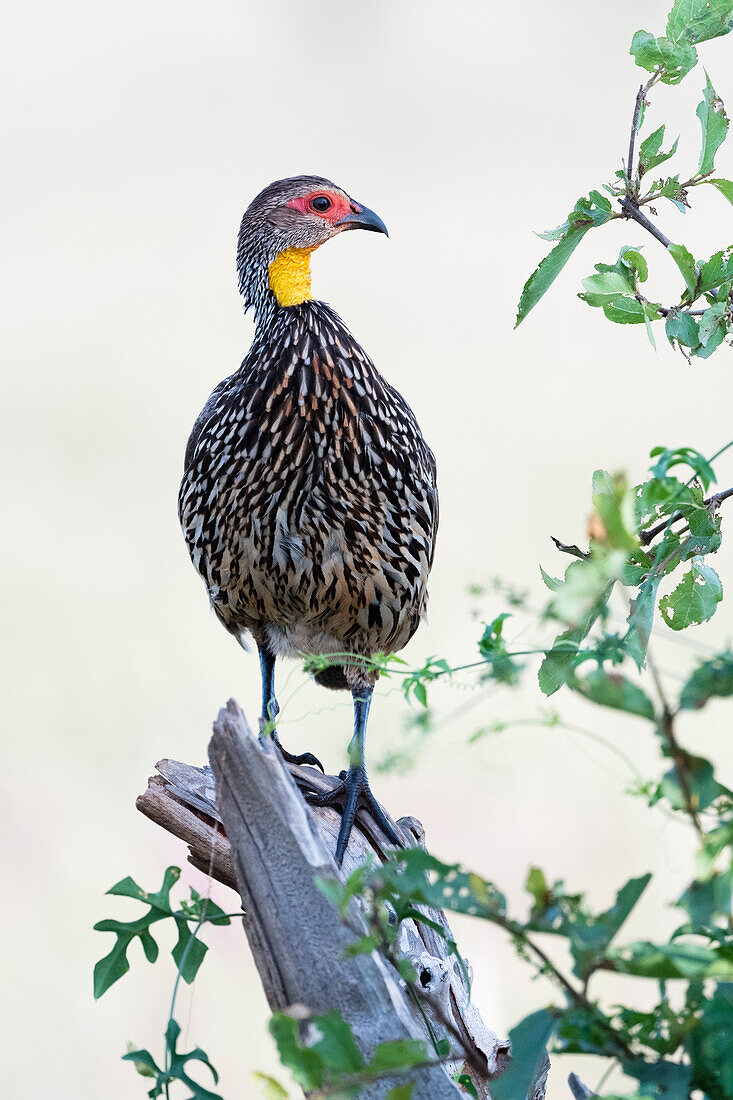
(352, 794)
(301, 758)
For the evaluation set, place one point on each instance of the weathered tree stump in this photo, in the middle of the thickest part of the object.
(246, 822)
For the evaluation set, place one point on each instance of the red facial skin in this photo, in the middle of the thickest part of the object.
(340, 206)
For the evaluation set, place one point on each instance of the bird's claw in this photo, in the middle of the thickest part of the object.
(352, 794)
(300, 759)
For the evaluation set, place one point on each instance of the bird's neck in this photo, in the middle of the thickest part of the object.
(289, 276)
(271, 281)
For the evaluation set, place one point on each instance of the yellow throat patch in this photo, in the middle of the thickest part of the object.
(290, 276)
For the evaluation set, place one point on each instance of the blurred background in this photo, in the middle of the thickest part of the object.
(134, 137)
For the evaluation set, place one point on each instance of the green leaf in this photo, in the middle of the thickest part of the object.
(610, 922)
(398, 1054)
(112, 967)
(613, 690)
(717, 270)
(336, 1044)
(587, 586)
(696, 21)
(711, 1043)
(305, 1065)
(502, 666)
(704, 901)
(177, 1071)
(725, 187)
(714, 122)
(591, 937)
(614, 503)
(650, 151)
(660, 1079)
(711, 679)
(188, 952)
(551, 582)
(670, 188)
(625, 311)
(695, 598)
(143, 1062)
(700, 780)
(674, 960)
(686, 263)
(673, 60)
(670, 457)
(178, 1063)
(272, 1089)
(587, 213)
(128, 888)
(548, 270)
(559, 662)
(604, 287)
(466, 1084)
(529, 1044)
(150, 947)
(682, 328)
(538, 887)
(713, 326)
(403, 1092)
(641, 619)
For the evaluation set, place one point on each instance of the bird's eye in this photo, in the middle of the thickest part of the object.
(321, 204)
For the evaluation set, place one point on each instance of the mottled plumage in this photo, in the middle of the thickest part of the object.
(309, 501)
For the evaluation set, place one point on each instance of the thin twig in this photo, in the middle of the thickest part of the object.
(640, 100)
(640, 96)
(575, 995)
(631, 210)
(710, 502)
(679, 757)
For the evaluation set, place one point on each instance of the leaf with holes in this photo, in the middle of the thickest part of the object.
(695, 598)
(673, 60)
(713, 328)
(682, 328)
(650, 151)
(696, 21)
(714, 122)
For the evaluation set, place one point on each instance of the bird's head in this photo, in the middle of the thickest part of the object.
(282, 227)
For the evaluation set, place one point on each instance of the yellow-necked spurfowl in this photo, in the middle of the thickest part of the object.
(309, 502)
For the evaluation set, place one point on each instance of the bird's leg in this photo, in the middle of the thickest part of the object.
(270, 710)
(353, 792)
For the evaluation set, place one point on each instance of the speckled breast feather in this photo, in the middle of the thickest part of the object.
(309, 502)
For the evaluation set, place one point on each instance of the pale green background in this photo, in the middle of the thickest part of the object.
(134, 135)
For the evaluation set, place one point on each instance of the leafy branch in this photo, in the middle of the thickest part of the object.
(188, 954)
(617, 288)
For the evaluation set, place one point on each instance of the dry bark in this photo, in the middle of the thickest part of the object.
(245, 820)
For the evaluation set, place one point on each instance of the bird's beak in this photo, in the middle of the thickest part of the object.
(364, 219)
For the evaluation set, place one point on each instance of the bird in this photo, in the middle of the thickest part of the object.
(309, 501)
